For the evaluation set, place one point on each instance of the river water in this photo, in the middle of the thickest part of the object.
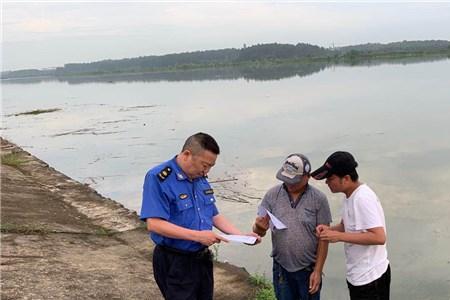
(394, 118)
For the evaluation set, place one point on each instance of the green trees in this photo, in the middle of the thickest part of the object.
(260, 54)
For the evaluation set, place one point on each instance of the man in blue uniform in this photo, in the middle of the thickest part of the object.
(179, 208)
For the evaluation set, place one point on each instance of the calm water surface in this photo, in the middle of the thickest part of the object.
(395, 119)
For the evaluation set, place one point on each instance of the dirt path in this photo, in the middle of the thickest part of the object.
(62, 240)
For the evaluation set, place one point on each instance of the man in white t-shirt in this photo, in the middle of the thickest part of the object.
(362, 229)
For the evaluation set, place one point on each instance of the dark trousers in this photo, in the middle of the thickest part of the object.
(183, 275)
(376, 290)
(293, 285)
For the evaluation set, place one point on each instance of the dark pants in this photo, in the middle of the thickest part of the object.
(293, 285)
(375, 290)
(183, 275)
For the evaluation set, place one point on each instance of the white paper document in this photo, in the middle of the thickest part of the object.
(275, 222)
(245, 239)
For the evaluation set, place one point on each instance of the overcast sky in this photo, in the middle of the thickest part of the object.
(49, 34)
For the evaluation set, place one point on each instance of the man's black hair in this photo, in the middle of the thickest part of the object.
(201, 141)
(354, 175)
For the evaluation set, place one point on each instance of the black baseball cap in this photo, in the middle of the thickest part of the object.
(340, 163)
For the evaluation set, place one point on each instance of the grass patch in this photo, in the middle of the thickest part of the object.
(40, 229)
(265, 289)
(105, 232)
(24, 229)
(12, 159)
(215, 252)
(37, 112)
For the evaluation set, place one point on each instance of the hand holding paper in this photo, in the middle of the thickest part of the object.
(262, 211)
(245, 239)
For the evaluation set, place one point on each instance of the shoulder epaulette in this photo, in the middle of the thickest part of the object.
(164, 173)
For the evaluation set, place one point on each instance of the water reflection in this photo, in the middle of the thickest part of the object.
(262, 72)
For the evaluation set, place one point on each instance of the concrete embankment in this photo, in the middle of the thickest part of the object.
(60, 239)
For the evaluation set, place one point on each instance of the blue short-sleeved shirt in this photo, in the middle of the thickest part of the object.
(169, 195)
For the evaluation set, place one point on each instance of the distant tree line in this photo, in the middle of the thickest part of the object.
(405, 46)
(281, 51)
(262, 53)
(145, 63)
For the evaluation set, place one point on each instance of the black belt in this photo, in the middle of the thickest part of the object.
(202, 253)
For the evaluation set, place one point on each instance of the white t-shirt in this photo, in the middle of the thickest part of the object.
(362, 211)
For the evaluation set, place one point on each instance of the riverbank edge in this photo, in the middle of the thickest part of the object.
(49, 220)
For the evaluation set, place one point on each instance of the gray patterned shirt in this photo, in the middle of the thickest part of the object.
(295, 248)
